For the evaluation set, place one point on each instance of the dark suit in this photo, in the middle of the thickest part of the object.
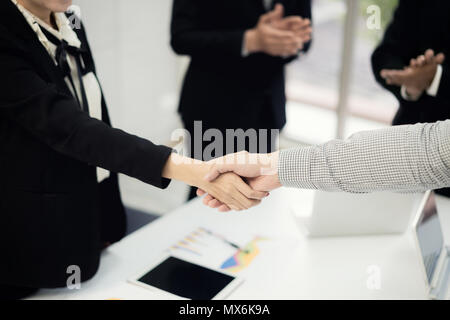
(418, 25)
(222, 88)
(53, 213)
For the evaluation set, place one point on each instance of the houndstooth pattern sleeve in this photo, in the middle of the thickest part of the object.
(409, 158)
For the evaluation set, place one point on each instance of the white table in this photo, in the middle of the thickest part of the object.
(322, 268)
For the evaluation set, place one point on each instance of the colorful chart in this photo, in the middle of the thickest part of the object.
(242, 258)
(218, 251)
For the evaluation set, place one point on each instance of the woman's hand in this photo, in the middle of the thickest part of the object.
(260, 171)
(229, 189)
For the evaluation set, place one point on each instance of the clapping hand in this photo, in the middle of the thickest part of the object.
(277, 35)
(418, 76)
(259, 170)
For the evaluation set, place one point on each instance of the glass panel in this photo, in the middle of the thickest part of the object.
(312, 80)
(368, 102)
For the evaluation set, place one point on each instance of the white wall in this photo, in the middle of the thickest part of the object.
(139, 73)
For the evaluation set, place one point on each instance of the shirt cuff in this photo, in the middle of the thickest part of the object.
(244, 51)
(407, 96)
(434, 87)
(294, 168)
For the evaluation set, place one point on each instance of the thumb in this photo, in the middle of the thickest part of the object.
(440, 58)
(278, 11)
(275, 14)
(215, 171)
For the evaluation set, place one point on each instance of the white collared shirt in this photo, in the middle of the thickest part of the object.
(90, 81)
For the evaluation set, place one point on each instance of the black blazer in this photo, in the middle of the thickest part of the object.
(417, 26)
(221, 87)
(53, 213)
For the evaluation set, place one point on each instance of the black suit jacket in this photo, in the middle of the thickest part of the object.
(221, 87)
(417, 25)
(53, 213)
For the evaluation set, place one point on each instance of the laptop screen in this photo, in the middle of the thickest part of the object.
(429, 234)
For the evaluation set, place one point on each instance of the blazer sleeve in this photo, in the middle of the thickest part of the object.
(56, 120)
(189, 38)
(409, 158)
(303, 9)
(395, 50)
(444, 85)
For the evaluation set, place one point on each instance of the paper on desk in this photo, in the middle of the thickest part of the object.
(234, 254)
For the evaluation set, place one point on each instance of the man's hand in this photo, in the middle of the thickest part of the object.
(418, 76)
(301, 27)
(278, 36)
(260, 171)
(229, 188)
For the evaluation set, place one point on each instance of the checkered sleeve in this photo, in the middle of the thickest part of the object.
(409, 158)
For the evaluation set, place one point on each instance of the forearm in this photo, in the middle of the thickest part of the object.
(187, 170)
(404, 158)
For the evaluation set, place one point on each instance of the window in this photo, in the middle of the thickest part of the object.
(331, 91)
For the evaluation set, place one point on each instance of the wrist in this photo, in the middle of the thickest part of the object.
(269, 167)
(275, 158)
(412, 93)
(187, 170)
(252, 43)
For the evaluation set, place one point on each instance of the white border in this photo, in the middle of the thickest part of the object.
(223, 294)
(443, 254)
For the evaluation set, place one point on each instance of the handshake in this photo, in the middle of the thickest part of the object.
(277, 35)
(258, 171)
(234, 182)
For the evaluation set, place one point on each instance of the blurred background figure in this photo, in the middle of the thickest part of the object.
(410, 61)
(238, 51)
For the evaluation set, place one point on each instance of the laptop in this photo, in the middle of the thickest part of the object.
(340, 214)
(434, 255)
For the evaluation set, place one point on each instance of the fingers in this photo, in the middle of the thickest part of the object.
(231, 191)
(200, 192)
(427, 58)
(440, 58)
(393, 77)
(276, 14)
(207, 199)
(249, 193)
(215, 171)
(278, 11)
(224, 208)
(243, 194)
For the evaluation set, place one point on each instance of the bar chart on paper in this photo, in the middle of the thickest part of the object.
(218, 251)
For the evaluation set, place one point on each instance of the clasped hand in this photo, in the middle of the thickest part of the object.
(260, 171)
(277, 35)
(417, 76)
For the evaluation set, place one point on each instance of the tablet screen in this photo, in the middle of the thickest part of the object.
(186, 279)
(429, 233)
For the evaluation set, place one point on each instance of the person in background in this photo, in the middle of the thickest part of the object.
(59, 197)
(410, 62)
(238, 52)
